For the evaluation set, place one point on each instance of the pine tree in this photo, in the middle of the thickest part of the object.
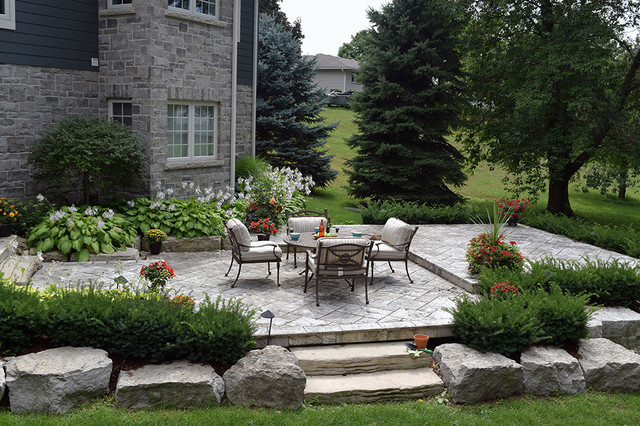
(410, 101)
(289, 129)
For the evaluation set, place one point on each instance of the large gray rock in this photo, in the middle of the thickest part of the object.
(2, 380)
(180, 384)
(620, 325)
(608, 366)
(268, 377)
(57, 380)
(549, 370)
(471, 376)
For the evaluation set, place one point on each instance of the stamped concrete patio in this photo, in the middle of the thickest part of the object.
(397, 310)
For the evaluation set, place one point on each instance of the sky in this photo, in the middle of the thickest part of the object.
(327, 24)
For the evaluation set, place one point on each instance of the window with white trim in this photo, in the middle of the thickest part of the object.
(8, 14)
(191, 130)
(206, 7)
(114, 4)
(121, 111)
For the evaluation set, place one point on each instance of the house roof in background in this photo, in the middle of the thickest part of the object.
(329, 62)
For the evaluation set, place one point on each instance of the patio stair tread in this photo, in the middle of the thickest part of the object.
(356, 358)
(380, 386)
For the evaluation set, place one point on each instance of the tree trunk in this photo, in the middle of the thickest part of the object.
(558, 202)
(622, 184)
(85, 187)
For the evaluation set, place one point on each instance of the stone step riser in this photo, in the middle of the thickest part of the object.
(357, 358)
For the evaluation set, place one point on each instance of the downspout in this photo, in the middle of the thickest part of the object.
(256, 14)
(344, 83)
(234, 89)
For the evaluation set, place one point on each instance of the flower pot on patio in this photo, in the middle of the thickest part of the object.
(263, 237)
(512, 221)
(155, 248)
(5, 229)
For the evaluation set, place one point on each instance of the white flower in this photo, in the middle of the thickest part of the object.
(90, 211)
(70, 221)
(172, 207)
(161, 195)
(198, 190)
(108, 214)
(191, 185)
(158, 184)
(40, 198)
(40, 257)
(184, 185)
(170, 191)
(56, 216)
(200, 199)
(131, 203)
(73, 208)
(13, 245)
(100, 223)
(155, 205)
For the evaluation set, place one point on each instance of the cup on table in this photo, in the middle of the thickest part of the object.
(356, 234)
(294, 235)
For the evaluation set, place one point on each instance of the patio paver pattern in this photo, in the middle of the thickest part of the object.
(397, 310)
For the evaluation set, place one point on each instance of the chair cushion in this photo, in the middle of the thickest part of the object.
(305, 223)
(354, 246)
(260, 251)
(334, 271)
(396, 232)
(241, 233)
(383, 251)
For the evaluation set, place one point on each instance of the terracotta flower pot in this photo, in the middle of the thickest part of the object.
(421, 341)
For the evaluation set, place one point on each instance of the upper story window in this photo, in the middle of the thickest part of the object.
(8, 14)
(191, 130)
(207, 7)
(116, 3)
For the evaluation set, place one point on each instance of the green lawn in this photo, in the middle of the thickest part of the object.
(594, 408)
(483, 186)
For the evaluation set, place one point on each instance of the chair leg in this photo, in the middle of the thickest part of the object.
(295, 257)
(278, 273)
(366, 291)
(372, 273)
(406, 266)
(306, 278)
(237, 276)
(353, 284)
(229, 270)
(317, 298)
(392, 271)
(269, 268)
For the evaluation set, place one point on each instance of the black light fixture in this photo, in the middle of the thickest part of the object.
(268, 314)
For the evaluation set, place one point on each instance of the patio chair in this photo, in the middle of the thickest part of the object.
(243, 250)
(394, 245)
(339, 258)
(304, 221)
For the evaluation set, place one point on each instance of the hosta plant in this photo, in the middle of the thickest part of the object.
(82, 231)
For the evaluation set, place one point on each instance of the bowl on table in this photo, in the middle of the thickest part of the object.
(294, 235)
(356, 234)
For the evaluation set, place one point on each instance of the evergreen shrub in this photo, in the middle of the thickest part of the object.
(377, 212)
(21, 318)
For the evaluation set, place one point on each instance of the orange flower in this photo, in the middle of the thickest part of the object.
(272, 201)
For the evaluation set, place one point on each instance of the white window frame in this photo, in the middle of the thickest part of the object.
(8, 18)
(119, 101)
(191, 131)
(192, 9)
(111, 5)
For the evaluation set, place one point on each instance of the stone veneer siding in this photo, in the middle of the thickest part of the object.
(31, 99)
(149, 55)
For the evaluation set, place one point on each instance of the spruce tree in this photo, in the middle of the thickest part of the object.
(410, 101)
(289, 129)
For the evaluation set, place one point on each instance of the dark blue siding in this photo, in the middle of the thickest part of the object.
(245, 47)
(60, 34)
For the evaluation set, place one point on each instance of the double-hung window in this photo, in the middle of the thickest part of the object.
(191, 130)
(8, 14)
(207, 7)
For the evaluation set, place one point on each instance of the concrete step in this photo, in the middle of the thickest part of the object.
(381, 386)
(21, 270)
(357, 358)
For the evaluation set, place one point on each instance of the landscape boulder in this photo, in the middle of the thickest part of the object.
(548, 370)
(608, 366)
(2, 380)
(268, 377)
(57, 380)
(473, 376)
(618, 324)
(180, 384)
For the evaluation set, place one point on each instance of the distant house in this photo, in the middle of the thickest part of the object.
(182, 74)
(337, 73)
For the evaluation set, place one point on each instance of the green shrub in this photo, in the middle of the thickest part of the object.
(90, 151)
(82, 231)
(250, 166)
(21, 318)
(378, 212)
(609, 283)
(495, 325)
(31, 214)
(562, 317)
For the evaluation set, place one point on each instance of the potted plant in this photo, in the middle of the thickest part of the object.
(155, 237)
(264, 228)
(8, 216)
(157, 274)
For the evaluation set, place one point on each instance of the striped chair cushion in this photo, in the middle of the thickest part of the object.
(263, 250)
(383, 251)
(305, 224)
(396, 232)
(241, 233)
(329, 256)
